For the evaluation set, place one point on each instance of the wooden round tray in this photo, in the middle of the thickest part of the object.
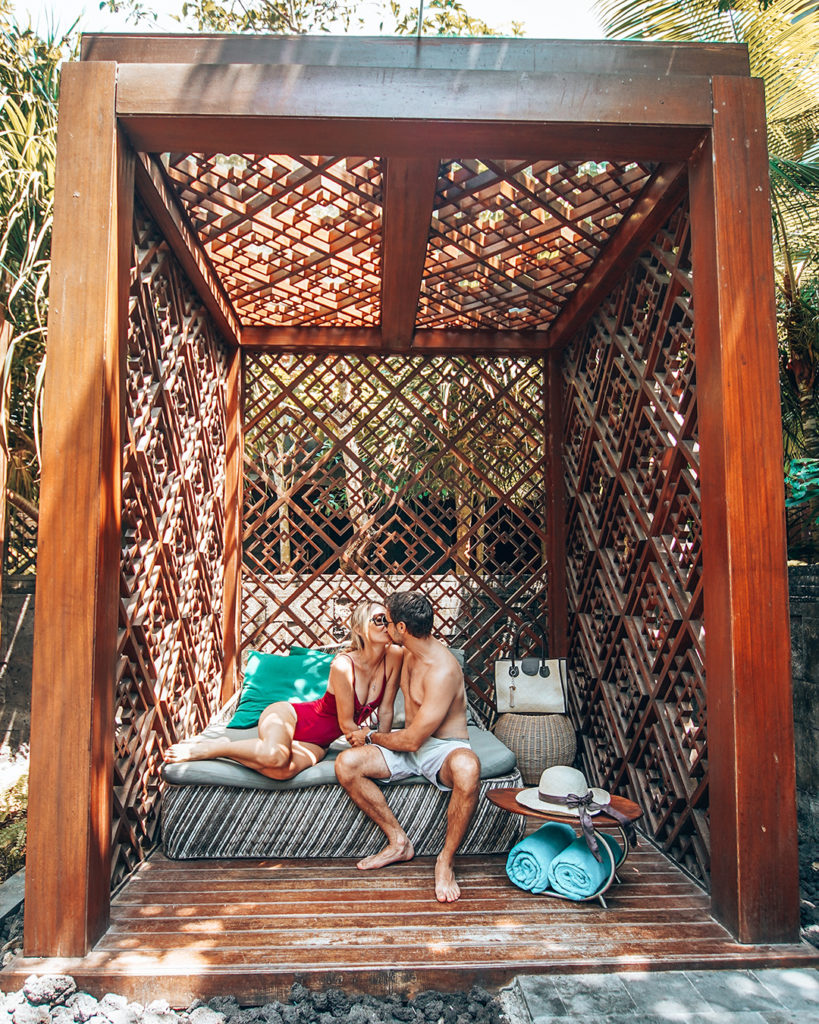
(505, 798)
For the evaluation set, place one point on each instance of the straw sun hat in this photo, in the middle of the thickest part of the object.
(561, 781)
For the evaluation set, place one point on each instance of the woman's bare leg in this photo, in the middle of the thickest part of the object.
(274, 753)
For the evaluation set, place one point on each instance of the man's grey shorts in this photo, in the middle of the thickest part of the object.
(426, 760)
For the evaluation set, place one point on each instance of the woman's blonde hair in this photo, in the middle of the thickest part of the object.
(359, 621)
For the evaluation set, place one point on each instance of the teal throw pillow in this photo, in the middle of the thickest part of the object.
(272, 677)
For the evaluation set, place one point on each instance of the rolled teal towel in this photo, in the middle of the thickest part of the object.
(528, 863)
(575, 874)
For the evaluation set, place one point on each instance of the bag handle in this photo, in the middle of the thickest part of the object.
(514, 671)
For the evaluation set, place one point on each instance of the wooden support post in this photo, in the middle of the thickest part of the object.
(234, 459)
(72, 722)
(754, 867)
(556, 509)
(409, 198)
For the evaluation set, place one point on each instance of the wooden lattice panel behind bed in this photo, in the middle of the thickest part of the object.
(366, 474)
(634, 553)
(170, 639)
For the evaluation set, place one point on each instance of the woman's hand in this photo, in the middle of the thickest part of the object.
(357, 737)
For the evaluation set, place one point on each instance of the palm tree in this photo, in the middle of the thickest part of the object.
(782, 37)
(29, 83)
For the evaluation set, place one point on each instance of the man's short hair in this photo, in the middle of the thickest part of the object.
(414, 610)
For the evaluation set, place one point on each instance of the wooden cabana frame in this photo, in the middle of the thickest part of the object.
(691, 108)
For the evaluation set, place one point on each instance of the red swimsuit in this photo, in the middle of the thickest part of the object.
(317, 720)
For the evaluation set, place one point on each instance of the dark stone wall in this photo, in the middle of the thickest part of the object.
(804, 598)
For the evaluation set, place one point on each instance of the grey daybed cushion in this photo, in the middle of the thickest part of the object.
(496, 759)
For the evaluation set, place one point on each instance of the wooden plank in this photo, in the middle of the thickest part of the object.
(368, 339)
(180, 235)
(301, 921)
(311, 339)
(409, 195)
(69, 815)
(645, 217)
(480, 342)
(257, 91)
(257, 986)
(609, 57)
(561, 140)
(750, 716)
(556, 510)
(232, 591)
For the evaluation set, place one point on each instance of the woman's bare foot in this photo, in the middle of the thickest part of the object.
(400, 850)
(196, 749)
(447, 889)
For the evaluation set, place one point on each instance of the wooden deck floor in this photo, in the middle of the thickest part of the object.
(181, 930)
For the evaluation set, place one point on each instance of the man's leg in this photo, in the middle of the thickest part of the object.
(461, 772)
(355, 770)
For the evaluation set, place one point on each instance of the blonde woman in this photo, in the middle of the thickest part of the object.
(295, 736)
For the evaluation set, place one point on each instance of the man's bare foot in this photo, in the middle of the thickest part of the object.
(197, 749)
(447, 889)
(401, 850)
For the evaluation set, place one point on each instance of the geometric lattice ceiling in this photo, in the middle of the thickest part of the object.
(296, 241)
(510, 240)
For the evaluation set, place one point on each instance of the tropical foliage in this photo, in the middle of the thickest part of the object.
(29, 84)
(440, 17)
(783, 43)
(446, 18)
(277, 16)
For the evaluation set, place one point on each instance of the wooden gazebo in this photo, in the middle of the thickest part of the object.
(549, 266)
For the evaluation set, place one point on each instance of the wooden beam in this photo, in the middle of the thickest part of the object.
(645, 217)
(409, 198)
(234, 464)
(311, 339)
(368, 339)
(556, 510)
(298, 91)
(607, 57)
(180, 235)
(480, 342)
(754, 864)
(561, 141)
(78, 560)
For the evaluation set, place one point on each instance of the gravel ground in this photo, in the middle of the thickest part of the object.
(55, 1000)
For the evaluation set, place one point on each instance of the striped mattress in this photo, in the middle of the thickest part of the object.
(219, 809)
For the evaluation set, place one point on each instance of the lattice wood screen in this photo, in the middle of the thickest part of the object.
(20, 548)
(296, 239)
(170, 640)
(634, 548)
(367, 474)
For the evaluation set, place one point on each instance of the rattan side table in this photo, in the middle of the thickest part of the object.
(537, 741)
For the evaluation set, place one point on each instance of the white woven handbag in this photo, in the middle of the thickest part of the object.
(531, 685)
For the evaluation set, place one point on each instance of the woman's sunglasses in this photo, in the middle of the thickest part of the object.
(379, 620)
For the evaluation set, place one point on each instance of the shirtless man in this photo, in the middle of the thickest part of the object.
(434, 743)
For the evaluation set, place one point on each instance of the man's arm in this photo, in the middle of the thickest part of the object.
(386, 709)
(438, 697)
